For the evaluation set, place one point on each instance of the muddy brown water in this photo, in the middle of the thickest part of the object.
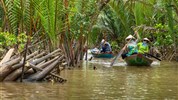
(120, 82)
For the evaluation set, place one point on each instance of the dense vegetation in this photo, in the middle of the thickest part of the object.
(61, 23)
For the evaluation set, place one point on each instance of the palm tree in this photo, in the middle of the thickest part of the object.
(63, 22)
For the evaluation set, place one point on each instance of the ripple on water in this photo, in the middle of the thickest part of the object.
(105, 83)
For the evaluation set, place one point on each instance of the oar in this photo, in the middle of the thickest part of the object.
(119, 54)
(153, 56)
(122, 50)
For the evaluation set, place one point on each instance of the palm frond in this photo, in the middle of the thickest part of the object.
(13, 14)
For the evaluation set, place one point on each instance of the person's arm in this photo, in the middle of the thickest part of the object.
(137, 35)
(110, 49)
(126, 48)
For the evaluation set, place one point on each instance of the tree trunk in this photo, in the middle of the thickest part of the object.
(42, 74)
(6, 68)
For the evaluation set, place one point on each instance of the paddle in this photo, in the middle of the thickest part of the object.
(122, 50)
(153, 56)
(119, 54)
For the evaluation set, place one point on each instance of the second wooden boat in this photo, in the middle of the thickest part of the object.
(102, 55)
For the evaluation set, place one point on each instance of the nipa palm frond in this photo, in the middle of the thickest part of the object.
(13, 14)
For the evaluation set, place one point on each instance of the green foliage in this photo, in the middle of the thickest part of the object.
(80, 16)
(163, 38)
(2, 39)
(115, 46)
(21, 40)
(13, 14)
(95, 35)
(121, 18)
(138, 13)
(8, 40)
(46, 11)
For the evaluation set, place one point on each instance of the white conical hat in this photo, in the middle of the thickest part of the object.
(129, 37)
(146, 39)
(102, 41)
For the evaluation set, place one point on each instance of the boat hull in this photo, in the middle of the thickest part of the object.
(138, 60)
(102, 55)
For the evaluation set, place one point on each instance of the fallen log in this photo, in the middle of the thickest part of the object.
(54, 75)
(45, 57)
(12, 65)
(57, 54)
(47, 63)
(39, 76)
(32, 55)
(7, 56)
(34, 58)
(28, 57)
(16, 74)
(12, 62)
(43, 65)
(39, 55)
(6, 68)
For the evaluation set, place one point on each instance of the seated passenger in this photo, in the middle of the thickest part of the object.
(143, 46)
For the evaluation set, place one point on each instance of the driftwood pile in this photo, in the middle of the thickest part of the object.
(39, 66)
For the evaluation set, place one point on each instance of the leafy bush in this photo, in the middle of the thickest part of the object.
(163, 38)
(8, 40)
(115, 47)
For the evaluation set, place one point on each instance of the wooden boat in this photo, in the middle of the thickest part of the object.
(102, 55)
(138, 60)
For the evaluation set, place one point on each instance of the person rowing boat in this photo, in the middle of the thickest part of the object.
(104, 50)
(131, 47)
(105, 47)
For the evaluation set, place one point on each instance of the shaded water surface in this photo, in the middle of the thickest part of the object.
(160, 81)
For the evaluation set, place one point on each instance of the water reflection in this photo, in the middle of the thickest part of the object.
(119, 62)
(27, 91)
(104, 83)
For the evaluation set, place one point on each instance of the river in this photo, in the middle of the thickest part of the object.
(120, 82)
